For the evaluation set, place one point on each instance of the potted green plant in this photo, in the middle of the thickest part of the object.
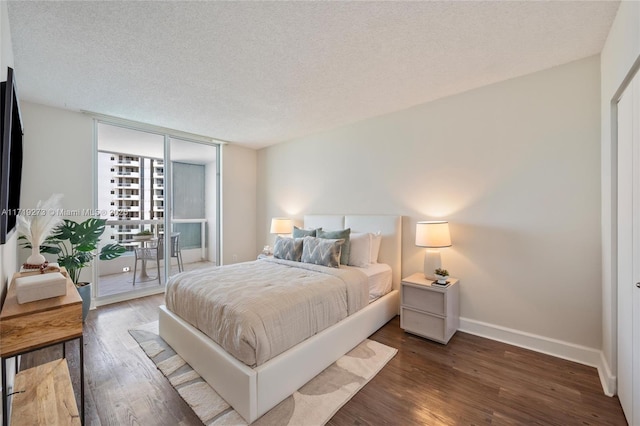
(143, 235)
(441, 275)
(76, 245)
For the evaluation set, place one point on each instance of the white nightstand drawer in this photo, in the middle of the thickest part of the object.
(429, 301)
(423, 324)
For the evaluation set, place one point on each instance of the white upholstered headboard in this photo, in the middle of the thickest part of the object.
(389, 226)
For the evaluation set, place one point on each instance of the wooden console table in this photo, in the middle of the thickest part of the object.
(36, 325)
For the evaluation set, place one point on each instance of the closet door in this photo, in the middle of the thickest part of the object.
(629, 252)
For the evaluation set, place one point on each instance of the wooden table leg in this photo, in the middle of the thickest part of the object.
(81, 379)
(5, 397)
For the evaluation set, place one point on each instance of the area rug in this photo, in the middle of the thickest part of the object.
(313, 404)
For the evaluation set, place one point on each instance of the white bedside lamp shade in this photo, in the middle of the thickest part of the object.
(281, 225)
(433, 235)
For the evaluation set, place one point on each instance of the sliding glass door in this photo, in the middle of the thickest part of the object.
(194, 205)
(159, 194)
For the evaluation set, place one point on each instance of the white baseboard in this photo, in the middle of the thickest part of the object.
(558, 348)
(608, 380)
(107, 300)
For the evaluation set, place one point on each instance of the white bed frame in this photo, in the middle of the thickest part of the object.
(254, 391)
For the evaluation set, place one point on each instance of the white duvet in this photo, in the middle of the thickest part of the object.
(257, 310)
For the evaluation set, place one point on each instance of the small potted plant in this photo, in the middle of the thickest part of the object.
(143, 235)
(76, 244)
(442, 275)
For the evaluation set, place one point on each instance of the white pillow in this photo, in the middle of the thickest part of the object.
(376, 239)
(360, 249)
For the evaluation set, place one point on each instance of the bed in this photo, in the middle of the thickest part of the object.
(252, 391)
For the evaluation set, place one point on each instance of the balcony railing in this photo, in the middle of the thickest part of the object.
(127, 174)
(156, 226)
(127, 185)
(128, 162)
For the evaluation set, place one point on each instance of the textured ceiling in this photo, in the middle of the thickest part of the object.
(258, 73)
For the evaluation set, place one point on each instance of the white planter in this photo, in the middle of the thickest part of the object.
(441, 278)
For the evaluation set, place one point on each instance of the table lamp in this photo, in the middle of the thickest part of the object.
(433, 235)
(281, 225)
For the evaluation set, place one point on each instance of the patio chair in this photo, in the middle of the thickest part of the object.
(175, 249)
(144, 254)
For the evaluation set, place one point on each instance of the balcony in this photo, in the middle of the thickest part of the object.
(127, 174)
(127, 185)
(116, 275)
(125, 197)
(125, 162)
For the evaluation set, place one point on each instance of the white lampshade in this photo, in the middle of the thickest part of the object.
(281, 225)
(433, 234)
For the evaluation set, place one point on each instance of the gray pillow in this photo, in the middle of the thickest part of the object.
(288, 248)
(301, 233)
(342, 234)
(322, 251)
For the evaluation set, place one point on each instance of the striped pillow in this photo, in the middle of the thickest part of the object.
(288, 248)
(322, 251)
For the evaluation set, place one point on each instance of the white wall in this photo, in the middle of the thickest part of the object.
(621, 50)
(58, 149)
(238, 204)
(514, 167)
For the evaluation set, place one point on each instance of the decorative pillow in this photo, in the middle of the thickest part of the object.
(301, 233)
(288, 248)
(342, 234)
(322, 251)
(360, 250)
(376, 239)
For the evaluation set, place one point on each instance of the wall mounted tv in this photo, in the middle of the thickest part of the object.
(11, 159)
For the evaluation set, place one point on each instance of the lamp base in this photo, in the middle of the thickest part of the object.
(432, 261)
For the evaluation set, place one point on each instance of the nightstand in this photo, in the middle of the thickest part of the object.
(429, 310)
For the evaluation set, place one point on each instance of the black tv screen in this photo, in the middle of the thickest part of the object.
(11, 159)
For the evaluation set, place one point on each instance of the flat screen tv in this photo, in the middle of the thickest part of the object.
(11, 160)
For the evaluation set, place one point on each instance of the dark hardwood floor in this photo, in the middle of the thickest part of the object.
(470, 381)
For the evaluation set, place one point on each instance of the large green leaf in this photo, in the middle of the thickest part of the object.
(70, 262)
(111, 251)
(64, 231)
(87, 234)
(50, 249)
(87, 246)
